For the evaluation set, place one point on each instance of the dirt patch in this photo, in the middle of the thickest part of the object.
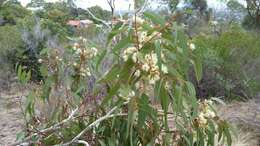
(246, 117)
(243, 113)
(11, 119)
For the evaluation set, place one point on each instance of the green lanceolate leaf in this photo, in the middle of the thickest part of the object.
(227, 134)
(111, 92)
(197, 68)
(165, 100)
(100, 58)
(132, 115)
(178, 98)
(191, 99)
(122, 44)
(111, 74)
(155, 18)
(211, 134)
(158, 53)
(191, 89)
(118, 28)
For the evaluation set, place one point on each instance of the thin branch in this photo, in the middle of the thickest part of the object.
(111, 3)
(75, 139)
(98, 19)
(143, 7)
(107, 116)
(52, 128)
(83, 142)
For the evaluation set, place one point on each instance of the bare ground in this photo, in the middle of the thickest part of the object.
(246, 117)
(11, 119)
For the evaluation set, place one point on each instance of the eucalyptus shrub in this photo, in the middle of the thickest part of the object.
(143, 98)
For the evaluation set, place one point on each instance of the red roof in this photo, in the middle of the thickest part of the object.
(74, 22)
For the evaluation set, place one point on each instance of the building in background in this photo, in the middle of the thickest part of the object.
(80, 23)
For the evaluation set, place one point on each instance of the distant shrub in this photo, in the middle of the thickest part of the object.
(10, 40)
(231, 64)
(23, 42)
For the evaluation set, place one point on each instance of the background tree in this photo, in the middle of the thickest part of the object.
(237, 11)
(99, 13)
(253, 14)
(11, 12)
(36, 3)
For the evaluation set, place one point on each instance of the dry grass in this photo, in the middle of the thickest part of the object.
(245, 138)
(245, 116)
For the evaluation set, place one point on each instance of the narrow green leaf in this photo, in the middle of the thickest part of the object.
(122, 44)
(197, 68)
(158, 53)
(227, 134)
(191, 89)
(19, 72)
(102, 143)
(111, 74)
(100, 58)
(111, 93)
(116, 30)
(155, 18)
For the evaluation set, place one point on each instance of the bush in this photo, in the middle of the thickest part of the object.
(231, 64)
(144, 97)
(10, 41)
(30, 36)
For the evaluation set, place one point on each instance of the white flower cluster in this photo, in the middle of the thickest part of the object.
(130, 51)
(58, 58)
(150, 65)
(86, 52)
(83, 53)
(144, 37)
(82, 50)
(85, 72)
(213, 23)
(191, 46)
(40, 60)
(146, 63)
(206, 113)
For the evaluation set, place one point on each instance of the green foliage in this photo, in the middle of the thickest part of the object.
(143, 97)
(235, 6)
(9, 39)
(23, 75)
(22, 40)
(57, 12)
(36, 3)
(252, 19)
(12, 12)
(10, 43)
(230, 63)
